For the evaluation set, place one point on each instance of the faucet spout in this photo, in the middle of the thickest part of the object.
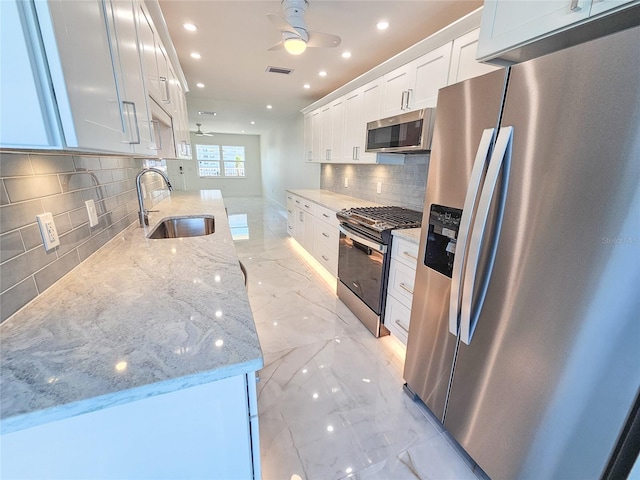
(142, 213)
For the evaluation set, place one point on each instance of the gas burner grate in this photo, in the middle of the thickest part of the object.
(383, 218)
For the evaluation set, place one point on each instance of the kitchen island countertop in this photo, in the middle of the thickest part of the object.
(138, 318)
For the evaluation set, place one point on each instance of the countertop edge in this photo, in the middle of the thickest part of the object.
(89, 405)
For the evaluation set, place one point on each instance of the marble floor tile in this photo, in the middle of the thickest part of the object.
(330, 395)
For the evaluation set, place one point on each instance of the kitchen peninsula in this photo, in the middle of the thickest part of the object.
(144, 353)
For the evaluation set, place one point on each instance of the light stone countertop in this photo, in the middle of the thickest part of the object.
(138, 318)
(333, 201)
(409, 234)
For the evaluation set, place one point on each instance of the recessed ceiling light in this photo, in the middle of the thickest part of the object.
(242, 131)
(252, 122)
(190, 26)
(382, 25)
(346, 54)
(322, 73)
(196, 55)
(200, 85)
(307, 86)
(269, 107)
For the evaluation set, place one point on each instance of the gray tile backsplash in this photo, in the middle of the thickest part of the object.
(402, 185)
(33, 183)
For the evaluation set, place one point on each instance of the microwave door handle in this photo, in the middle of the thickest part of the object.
(473, 190)
(470, 307)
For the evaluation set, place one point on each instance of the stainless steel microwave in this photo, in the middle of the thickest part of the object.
(409, 132)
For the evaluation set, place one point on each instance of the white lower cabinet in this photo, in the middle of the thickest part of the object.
(402, 274)
(315, 228)
(204, 431)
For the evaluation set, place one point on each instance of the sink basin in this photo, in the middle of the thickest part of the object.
(187, 226)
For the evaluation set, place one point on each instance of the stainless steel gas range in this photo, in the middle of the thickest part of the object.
(364, 257)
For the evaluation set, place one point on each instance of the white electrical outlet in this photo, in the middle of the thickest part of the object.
(91, 211)
(48, 231)
(379, 187)
(346, 182)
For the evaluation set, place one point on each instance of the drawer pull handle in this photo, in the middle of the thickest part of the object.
(412, 257)
(325, 258)
(399, 323)
(405, 287)
(307, 206)
(325, 235)
(328, 216)
(289, 211)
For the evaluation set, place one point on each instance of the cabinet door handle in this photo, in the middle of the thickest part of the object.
(325, 235)
(399, 323)
(289, 211)
(325, 215)
(353, 153)
(574, 6)
(135, 122)
(405, 287)
(157, 138)
(357, 153)
(325, 258)
(412, 257)
(306, 206)
(166, 89)
(298, 201)
(409, 92)
(404, 92)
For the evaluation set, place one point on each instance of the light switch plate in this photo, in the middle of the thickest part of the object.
(48, 231)
(91, 211)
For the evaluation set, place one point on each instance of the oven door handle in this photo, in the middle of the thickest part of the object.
(378, 247)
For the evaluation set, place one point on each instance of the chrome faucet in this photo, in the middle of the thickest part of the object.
(143, 215)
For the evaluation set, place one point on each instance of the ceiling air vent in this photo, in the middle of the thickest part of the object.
(207, 113)
(282, 70)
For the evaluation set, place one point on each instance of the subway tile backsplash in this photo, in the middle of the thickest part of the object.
(33, 183)
(402, 185)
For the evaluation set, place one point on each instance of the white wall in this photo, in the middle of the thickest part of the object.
(283, 165)
(251, 185)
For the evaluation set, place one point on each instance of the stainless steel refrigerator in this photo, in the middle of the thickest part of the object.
(525, 326)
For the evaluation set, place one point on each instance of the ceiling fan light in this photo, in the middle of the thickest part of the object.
(295, 46)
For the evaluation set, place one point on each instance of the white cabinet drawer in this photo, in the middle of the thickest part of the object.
(401, 282)
(307, 206)
(405, 252)
(396, 318)
(326, 234)
(327, 215)
(327, 255)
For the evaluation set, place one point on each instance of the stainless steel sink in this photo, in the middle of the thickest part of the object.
(187, 226)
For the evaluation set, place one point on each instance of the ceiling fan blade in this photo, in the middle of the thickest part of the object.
(319, 39)
(277, 46)
(280, 23)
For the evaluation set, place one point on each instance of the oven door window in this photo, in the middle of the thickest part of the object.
(360, 269)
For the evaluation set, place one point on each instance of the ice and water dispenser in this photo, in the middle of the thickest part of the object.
(444, 223)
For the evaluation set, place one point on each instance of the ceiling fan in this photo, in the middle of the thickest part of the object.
(200, 133)
(295, 36)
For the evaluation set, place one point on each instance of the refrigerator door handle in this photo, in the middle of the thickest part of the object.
(470, 201)
(500, 158)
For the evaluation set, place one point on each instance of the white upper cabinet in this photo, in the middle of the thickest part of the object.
(463, 59)
(416, 84)
(78, 50)
(316, 127)
(360, 106)
(428, 75)
(395, 86)
(508, 25)
(337, 130)
(129, 73)
(27, 107)
(325, 133)
(308, 137)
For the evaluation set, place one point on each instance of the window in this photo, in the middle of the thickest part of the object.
(210, 158)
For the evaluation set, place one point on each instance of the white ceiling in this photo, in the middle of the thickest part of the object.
(233, 38)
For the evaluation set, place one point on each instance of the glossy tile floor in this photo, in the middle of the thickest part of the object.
(331, 402)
